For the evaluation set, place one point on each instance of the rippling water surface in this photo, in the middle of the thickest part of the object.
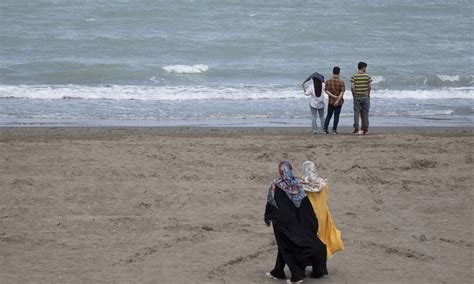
(77, 62)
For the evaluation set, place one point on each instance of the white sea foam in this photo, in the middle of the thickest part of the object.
(449, 78)
(447, 93)
(186, 69)
(430, 112)
(377, 79)
(154, 79)
(116, 92)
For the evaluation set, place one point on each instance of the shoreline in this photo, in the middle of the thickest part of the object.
(345, 121)
(104, 132)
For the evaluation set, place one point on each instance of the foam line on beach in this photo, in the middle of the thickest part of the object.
(178, 93)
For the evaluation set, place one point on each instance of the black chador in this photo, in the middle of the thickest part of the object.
(295, 230)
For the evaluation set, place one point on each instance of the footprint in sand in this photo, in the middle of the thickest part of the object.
(423, 164)
(469, 159)
(13, 239)
(23, 182)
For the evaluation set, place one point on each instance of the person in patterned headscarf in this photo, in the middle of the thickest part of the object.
(288, 183)
(294, 226)
(317, 190)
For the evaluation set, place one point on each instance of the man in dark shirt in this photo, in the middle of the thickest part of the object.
(335, 89)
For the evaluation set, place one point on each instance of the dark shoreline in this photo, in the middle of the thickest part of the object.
(81, 132)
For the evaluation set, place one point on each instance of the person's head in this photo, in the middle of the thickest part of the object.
(308, 167)
(285, 169)
(312, 181)
(336, 71)
(362, 66)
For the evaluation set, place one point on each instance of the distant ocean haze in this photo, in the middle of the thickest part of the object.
(170, 53)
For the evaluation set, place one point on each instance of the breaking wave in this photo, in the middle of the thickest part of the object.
(178, 93)
(186, 69)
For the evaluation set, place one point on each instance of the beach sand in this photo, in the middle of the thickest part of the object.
(185, 205)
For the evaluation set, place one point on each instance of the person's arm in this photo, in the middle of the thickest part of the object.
(315, 75)
(339, 98)
(369, 87)
(352, 86)
(341, 94)
(269, 211)
(307, 79)
(328, 92)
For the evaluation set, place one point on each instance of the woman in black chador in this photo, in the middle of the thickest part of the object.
(295, 227)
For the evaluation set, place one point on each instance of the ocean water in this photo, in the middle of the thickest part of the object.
(223, 62)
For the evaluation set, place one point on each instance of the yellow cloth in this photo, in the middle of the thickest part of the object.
(327, 231)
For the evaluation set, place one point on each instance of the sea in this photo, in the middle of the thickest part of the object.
(231, 63)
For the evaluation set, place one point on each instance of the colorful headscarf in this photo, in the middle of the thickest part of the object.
(311, 181)
(288, 183)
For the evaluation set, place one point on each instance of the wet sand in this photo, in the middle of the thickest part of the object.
(185, 205)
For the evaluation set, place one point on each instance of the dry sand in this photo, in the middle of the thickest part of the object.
(185, 205)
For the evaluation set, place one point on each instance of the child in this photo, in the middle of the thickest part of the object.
(317, 191)
(316, 102)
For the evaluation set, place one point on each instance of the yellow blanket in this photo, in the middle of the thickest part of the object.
(327, 231)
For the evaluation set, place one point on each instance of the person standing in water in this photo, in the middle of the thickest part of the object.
(335, 89)
(316, 102)
(361, 88)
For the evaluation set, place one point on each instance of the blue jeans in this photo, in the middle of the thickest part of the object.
(361, 105)
(337, 111)
(315, 112)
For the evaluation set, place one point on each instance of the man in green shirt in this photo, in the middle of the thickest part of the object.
(361, 87)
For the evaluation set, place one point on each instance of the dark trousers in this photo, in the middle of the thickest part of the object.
(337, 111)
(361, 108)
